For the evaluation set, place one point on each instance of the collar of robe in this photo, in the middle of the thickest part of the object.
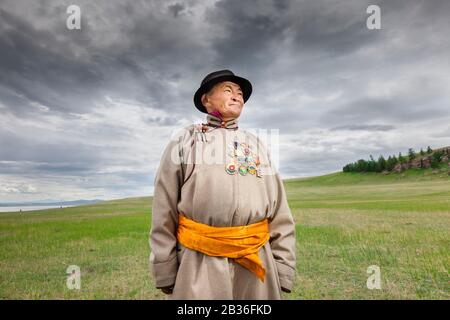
(216, 122)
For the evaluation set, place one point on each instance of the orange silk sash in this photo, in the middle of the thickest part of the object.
(240, 243)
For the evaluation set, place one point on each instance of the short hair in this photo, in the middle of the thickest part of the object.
(209, 91)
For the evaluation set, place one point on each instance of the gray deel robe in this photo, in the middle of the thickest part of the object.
(192, 179)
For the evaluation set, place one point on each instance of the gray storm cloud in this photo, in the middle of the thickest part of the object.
(86, 113)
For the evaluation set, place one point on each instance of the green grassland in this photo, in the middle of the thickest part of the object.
(345, 222)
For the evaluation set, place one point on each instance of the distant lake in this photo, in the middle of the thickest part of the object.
(29, 208)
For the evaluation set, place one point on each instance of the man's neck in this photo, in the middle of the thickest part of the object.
(220, 122)
(219, 115)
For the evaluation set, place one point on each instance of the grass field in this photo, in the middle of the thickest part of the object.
(345, 223)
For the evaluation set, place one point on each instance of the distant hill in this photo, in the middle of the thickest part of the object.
(418, 160)
(373, 178)
(61, 203)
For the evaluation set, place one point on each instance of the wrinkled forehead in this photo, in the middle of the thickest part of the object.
(233, 85)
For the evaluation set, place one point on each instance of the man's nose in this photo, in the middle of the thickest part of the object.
(236, 98)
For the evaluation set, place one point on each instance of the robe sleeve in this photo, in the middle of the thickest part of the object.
(163, 240)
(282, 236)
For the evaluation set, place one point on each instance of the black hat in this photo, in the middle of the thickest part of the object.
(218, 76)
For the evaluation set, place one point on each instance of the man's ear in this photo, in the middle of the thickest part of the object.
(205, 101)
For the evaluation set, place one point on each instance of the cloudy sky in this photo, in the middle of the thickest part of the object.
(86, 113)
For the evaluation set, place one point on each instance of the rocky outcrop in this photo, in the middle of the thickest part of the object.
(399, 167)
(423, 161)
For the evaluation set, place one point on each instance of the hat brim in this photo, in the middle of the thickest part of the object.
(245, 85)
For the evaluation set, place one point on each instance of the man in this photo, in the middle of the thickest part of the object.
(221, 224)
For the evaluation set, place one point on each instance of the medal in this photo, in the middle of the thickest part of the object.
(243, 169)
(252, 169)
(231, 168)
(243, 160)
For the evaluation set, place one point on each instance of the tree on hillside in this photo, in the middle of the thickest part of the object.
(437, 156)
(411, 154)
(390, 163)
(348, 168)
(361, 166)
(372, 165)
(401, 159)
(394, 160)
(381, 165)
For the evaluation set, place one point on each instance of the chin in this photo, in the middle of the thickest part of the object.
(234, 113)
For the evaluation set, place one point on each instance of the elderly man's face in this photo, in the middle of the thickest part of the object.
(225, 97)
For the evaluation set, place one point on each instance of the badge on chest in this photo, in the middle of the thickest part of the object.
(243, 160)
